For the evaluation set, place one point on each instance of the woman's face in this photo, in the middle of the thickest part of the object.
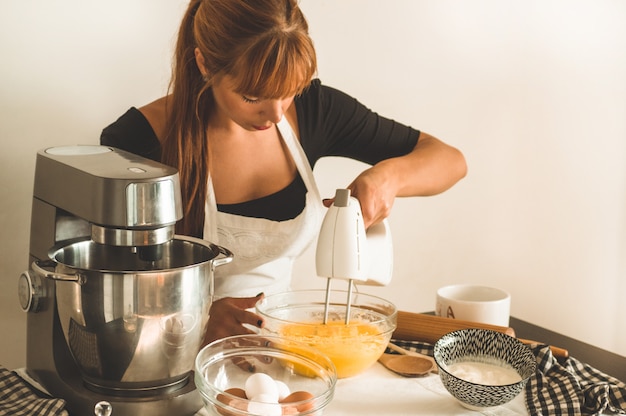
(251, 113)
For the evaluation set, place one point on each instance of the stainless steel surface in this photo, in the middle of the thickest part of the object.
(29, 291)
(348, 300)
(117, 304)
(108, 187)
(131, 324)
(103, 408)
(131, 237)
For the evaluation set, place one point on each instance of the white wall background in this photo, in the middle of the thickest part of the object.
(532, 91)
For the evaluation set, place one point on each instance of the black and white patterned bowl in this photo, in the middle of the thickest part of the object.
(484, 347)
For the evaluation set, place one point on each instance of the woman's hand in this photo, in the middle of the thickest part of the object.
(227, 316)
(376, 198)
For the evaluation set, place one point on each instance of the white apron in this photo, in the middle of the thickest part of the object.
(264, 250)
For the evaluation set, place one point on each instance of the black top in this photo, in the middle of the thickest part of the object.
(331, 123)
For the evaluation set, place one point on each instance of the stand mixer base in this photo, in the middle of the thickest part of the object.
(81, 401)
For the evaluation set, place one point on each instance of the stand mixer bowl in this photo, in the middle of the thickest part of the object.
(134, 326)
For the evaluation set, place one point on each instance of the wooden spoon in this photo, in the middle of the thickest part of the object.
(410, 363)
(406, 365)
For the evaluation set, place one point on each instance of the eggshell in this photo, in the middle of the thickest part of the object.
(233, 402)
(297, 397)
(260, 383)
(283, 390)
(235, 391)
(265, 409)
(264, 398)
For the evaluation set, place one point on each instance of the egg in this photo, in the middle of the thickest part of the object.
(298, 397)
(260, 383)
(283, 390)
(264, 398)
(265, 409)
(233, 402)
(237, 392)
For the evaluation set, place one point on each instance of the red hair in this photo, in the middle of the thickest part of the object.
(263, 45)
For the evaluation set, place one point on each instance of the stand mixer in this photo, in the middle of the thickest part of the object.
(345, 250)
(117, 303)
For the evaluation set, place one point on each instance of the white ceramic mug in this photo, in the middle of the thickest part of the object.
(474, 303)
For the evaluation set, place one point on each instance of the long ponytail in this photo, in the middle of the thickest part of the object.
(185, 145)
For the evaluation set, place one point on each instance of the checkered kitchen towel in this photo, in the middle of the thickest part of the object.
(570, 388)
(18, 398)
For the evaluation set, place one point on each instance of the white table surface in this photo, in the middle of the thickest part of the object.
(378, 392)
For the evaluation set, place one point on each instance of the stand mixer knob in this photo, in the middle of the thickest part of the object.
(29, 292)
(103, 409)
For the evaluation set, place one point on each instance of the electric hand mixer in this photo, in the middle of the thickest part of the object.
(345, 250)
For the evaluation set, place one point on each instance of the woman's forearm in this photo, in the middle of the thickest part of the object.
(431, 168)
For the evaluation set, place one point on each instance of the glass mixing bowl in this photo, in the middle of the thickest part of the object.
(352, 347)
(225, 367)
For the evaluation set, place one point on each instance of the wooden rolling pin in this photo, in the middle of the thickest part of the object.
(429, 328)
(559, 353)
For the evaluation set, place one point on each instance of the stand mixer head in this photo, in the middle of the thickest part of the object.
(345, 250)
(117, 303)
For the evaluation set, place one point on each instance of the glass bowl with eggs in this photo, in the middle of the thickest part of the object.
(482, 368)
(353, 344)
(247, 375)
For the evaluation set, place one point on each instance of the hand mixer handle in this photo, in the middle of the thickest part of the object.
(346, 251)
(341, 243)
(380, 254)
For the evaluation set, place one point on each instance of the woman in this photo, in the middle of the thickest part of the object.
(244, 123)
